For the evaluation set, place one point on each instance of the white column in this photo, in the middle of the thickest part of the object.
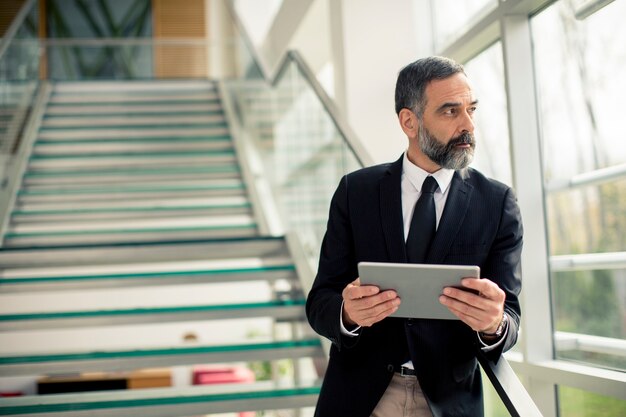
(537, 341)
(378, 40)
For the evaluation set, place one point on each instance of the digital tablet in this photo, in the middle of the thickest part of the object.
(418, 285)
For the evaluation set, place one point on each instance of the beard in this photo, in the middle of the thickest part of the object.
(447, 155)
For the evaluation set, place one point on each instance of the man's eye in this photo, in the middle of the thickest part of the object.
(450, 111)
(472, 109)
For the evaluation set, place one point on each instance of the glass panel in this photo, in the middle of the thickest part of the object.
(590, 303)
(599, 213)
(19, 78)
(452, 17)
(136, 59)
(581, 88)
(486, 74)
(578, 67)
(303, 152)
(578, 403)
(494, 407)
(101, 19)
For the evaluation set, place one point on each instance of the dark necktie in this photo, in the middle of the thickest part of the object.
(423, 223)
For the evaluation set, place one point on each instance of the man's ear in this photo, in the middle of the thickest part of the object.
(408, 122)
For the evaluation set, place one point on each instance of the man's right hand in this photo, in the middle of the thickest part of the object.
(365, 305)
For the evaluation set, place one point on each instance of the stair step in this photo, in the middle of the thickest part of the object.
(281, 309)
(166, 402)
(137, 188)
(125, 161)
(81, 199)
(125, 206)
(100, 214)
(82, 277)
(156, 97)
(100, 122)
(129, 110)
(131, 229)
(122, 133)
(163, 251)
(136, 140)
(97, 148)
(79, 185)
(115, 87)
(111, 237)
(122, 360)
(86, 175)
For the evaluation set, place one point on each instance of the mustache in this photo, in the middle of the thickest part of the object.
(463, 138)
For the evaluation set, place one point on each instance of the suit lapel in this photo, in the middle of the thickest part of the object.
(451, 219)
(391, 212)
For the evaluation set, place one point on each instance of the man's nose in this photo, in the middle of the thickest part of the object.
(467, 123)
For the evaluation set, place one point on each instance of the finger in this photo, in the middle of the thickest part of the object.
(381, 311)
(460, 307)
(472, 322)
(476, 318)
(363, 291)
(485, 287)
(467, 298)
(367, 303)
(353, 291)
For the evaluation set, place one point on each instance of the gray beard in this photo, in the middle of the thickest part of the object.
(447, 155)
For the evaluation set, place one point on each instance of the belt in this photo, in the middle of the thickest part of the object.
(404, 371)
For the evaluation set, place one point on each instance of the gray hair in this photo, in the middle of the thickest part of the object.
(413, 79)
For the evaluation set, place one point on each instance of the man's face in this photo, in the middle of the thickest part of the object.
(446, 128)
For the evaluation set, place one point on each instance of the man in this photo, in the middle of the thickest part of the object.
(388, 366)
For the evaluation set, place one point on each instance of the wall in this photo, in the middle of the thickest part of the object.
(378, 41)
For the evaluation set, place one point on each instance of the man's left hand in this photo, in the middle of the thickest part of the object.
(482, 311)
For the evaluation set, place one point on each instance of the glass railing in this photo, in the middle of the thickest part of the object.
(19, 75)
(145, 59)
(303, 152)
(19, 85)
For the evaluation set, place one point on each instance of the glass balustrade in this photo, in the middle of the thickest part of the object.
(19, 77)
(304, 153)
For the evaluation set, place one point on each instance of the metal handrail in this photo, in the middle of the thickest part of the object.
(273, 77)
(17, 22)
(509, 388)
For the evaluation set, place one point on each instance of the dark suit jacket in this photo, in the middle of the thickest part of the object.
(480, 225)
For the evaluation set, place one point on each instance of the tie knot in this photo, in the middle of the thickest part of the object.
(430, 185)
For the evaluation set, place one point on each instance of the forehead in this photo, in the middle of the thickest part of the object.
(454, 89)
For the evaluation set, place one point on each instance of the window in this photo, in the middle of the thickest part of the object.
(450, 17)
(579, 61)
(486, 75)
(578, 403)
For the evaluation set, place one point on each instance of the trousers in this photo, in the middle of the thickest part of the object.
(403, 398)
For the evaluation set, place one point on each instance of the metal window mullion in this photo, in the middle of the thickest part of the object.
(537, 343)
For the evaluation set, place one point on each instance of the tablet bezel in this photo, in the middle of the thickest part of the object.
(418, 285)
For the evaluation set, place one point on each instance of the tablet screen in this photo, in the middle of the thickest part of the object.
(418, 285)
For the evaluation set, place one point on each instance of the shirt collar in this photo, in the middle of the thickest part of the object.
(417, 175)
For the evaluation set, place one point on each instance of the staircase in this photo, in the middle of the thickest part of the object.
(133, 244)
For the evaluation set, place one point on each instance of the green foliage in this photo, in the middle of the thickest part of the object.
(578, 403)
(587, 302)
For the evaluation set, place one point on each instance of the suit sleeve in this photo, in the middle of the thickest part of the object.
(503, 266)
(337, 268)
